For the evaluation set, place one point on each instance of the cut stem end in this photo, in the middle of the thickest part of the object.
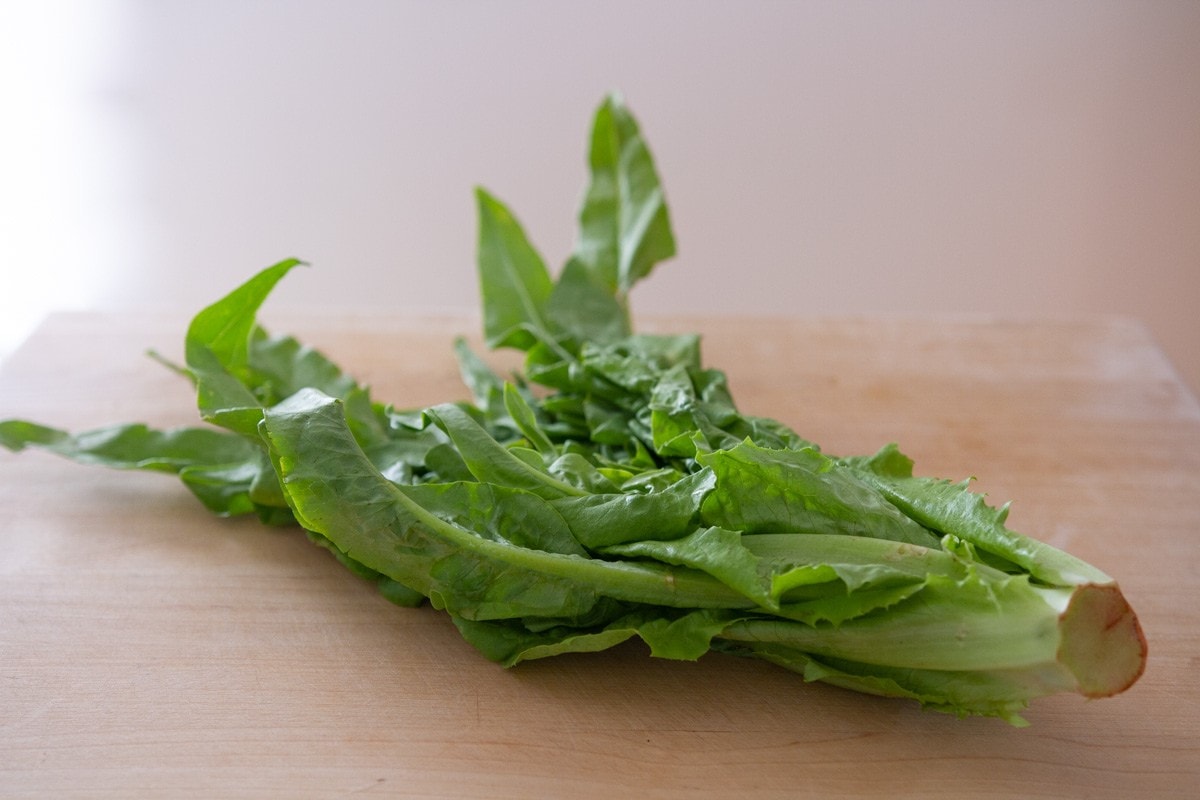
(1102, 641)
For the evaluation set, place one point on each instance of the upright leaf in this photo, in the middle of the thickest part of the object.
(585, 309)
(224, 327)
(487, 388)
(624, 227)
(513, 280)
(217, 351)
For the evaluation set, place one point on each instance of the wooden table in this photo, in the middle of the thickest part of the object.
(148, 649)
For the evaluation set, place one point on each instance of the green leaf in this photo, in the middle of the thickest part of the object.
(217, 350)
(498, 513)
(510, 643)
(858, 562)
(837, 608)
(524, 417)
(624, 227)
(239, 369)
(583, 308)
(132, 446)
(973, 624)
(685, 636)
(800, 491)
(486, 387)
(280, 366)
(716, 551)
(680, 421)
(636, 364)
(490, 461)
(603, 520)
(335, 491)
(952, 508)
(228, 473)
(513, 280)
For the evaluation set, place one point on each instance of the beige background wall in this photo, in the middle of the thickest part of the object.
(864, 158)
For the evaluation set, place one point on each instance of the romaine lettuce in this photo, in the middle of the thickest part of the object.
(613, 490)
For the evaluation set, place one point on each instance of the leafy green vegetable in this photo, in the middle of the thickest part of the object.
(612, 489)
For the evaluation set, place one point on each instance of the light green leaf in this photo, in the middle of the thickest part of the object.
(952, 508)
(800, 491)
(716, 551)
(668, 512)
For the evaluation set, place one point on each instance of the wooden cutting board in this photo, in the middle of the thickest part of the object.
(148, 649)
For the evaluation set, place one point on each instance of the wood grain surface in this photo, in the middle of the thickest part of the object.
(148, 649)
